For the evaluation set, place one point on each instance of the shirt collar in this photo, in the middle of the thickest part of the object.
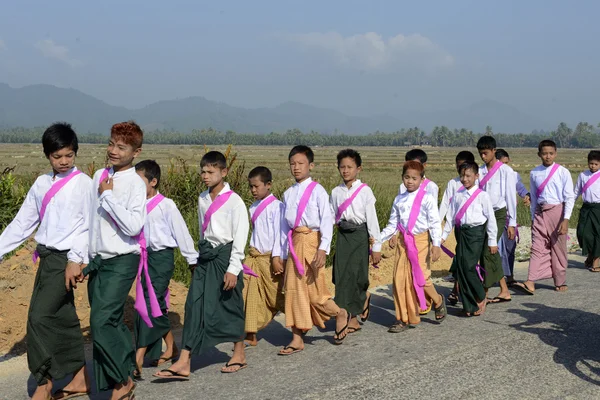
(127, 171)
(304, 183)
(63, 175)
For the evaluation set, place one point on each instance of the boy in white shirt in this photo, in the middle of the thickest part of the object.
(454, 184)
(58, 205)
(263, 285)
(164, 230)
(118, 217)
(588, 227)
(306, 233)
(471, 214)
(353, 205)
(214, 308)
(552, 201)
(430, 186)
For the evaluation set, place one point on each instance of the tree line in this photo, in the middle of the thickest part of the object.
(584, 135)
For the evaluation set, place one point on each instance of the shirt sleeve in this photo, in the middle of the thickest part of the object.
(392, 225)
(332, 205)
(240, 227)
(511, 197)
(373, 222)
(579, 186)
(533, 195)
(521, 189)
(284, 228)
(25, 222)
(492, 227)
(277, 251)
(568, 193)
(326, 221)
(433, 222)
(445, 201)
(79, 252)
(130, 218)
(434, 190)
(181, 234)
(449, 225)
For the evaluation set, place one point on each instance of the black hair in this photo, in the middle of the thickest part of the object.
(465, 155)
(486, 143)
(501, 153)
(594, 155)
(214, 159)
(58, 136)
(416, 154)
(349, 153)
(301, 149)
(468, 165)
(151, 170)
(263, 173)
(546, 143)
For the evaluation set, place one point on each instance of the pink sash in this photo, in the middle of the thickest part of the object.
(140, 302)
(55, 188)
(459, 190)
(411, 247)
(590, 182)
(490, 173)
(301, 207)
(344, 206)
(541, 188)
(261, 207)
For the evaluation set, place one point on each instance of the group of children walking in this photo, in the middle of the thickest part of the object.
(117, 227)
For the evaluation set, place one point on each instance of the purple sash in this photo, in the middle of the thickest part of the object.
(464, 208)
(411, 247)
(261, 207)
(344, 206)
(55, 188)
(590, 182)
(490, 173)
(301, 207)
(220, 200)
(541, 188)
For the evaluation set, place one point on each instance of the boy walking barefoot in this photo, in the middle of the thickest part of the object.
(552, 201)
(307, 230)
(263, 284)
(58, 204)
(118, 217)
(214, 308)
(588, 227)
(164, 230)
(353, 205)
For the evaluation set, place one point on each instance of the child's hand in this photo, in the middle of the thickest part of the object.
(371, 240)
(493, 249)
(527, 200)
(230, 280)
(106, 184)
(277, 266)
(72, 274)
(435, 253)
(511, 233)
(564, 227)
(193, 268)
(375, 258)
(81, 278)
(319, 260)
(393, 241)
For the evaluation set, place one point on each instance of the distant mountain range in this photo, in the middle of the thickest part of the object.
(40, 105)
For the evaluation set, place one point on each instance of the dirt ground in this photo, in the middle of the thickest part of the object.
(17, 275)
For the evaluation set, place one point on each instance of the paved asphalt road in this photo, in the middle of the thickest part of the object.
(545, 346)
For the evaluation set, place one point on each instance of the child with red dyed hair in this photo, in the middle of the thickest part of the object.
(118, 217)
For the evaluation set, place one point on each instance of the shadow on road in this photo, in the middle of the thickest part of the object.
(573, 332)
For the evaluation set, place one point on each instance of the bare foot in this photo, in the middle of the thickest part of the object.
(354, 325)
(482, 306)
(168, 355)
(561, 288)
(366, 309)
(236, 362)
(123, 390)
(43, 392)
(341, 326)
(180, 367)
(296, 345)
(79, 384)
(251, 339)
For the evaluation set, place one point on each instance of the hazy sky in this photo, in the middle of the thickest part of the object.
(360, 57)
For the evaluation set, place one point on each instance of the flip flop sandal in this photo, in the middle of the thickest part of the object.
(453, 298)
(367, 310)
(441, 312)
(594, 269)
(158, 363)
(425, 312)
(558, 288)
(352, 329)
(294, 350)
(240, 365)
(336, 337)
(174, 375)
(137, 375)
(398, 327)
(129, 395)
(497, 300)
(68, 394)
(521, 286)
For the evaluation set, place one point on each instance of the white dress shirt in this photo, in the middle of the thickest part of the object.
(228, 225)
(502, 188)
(266, 232)
(431, 188)
(66, 221)
(317, 215)
(479, 212)
(451, 188)
(521, 189)
(125, 206)
(361, 210)
(428, 219)
(165, 228)
(592, 194)
(558, 190)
